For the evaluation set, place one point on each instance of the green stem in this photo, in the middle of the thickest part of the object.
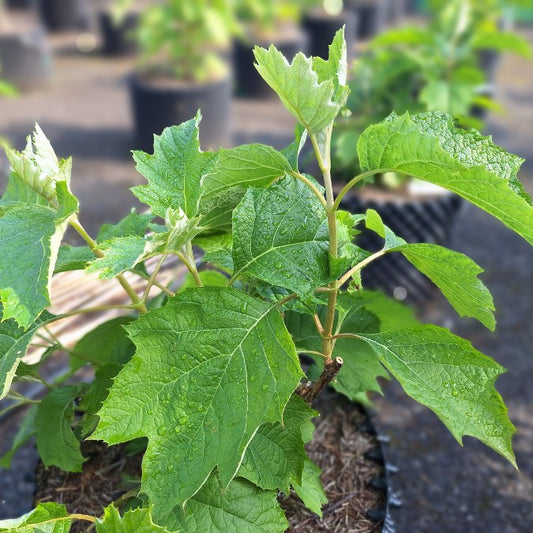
(75, 224)
(96, 309)
(151, 279)
(188, 260)
(11, 407)
(155, 283)
(311, 185)
(14, 395)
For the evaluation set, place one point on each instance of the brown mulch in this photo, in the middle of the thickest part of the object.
(338, 448)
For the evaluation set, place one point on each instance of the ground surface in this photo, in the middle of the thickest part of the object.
(85, 113)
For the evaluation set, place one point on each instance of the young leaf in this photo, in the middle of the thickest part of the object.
(132, 225)
(56, 442)
(310, 490)
(428, 147)
(14, 342)
(25, 432)
(175, 170)
(241, 507)
(73, 258)
(120, 254)
(455, 274)
(221, 364)
(445, 373)
(297, 84)
(136, 520)
(249, 165)
(276, 454)
(45, 518)
(280, 235)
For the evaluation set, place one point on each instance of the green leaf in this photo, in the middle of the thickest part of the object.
(221, 364)
(445, 373)
(502, 41)
(14, 342)
(120, 254)
(107, 343)
(136, 520)
(280, 235)
(25, 432)
(292, 152)
(38, 168)
(175, 170)
(450, 97)
(132, 225)
(45, 518)
(310, 490)
(73, 258)
(454, 273)
(209, 278)
(26, 233)
(297, 84)
(276, 455)
(428, 147)
(241, 507)
(56, 442)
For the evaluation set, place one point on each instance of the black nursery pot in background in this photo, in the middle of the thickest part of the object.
(371, 16)
(321, 28)
(118, 38)
(248, 82)
(60, 15)
(163, 102)
(25, 59)
(419, 219)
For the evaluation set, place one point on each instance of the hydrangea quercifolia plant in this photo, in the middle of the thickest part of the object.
(210, 376)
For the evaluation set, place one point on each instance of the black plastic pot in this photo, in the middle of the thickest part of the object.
(59, 15)
(118, 39)
(370, 15)
(321, 28)
(488, 63)
(248, 82)
(19, 4)
(158, 103)
(25, 59)
(422, 219)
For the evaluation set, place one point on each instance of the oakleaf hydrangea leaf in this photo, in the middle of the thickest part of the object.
(280, 235)
(14, 342)
(175, 170)
(133, 224)
(119, 254)
(221, 364)
(445, 373)
(241, 507)
(297, 84)
(310, 490)
(454, 273)
(25, 431)
(428, 147)
(38, 167)
(72, 258)
(56, 442)
(276, 455)
(136, 520)
(45, 518)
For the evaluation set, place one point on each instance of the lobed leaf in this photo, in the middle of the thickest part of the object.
(220, 364)
(241, 507)
(445, 373)
(428, 147)
(56, 442)
(45, 518)
(137, 520)
(175, 170)
(280, 235)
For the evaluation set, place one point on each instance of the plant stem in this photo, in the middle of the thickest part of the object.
(151, 279)
(75, 223)
(325, 167)
(155, 283)
(188, 260)
(310, 392)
